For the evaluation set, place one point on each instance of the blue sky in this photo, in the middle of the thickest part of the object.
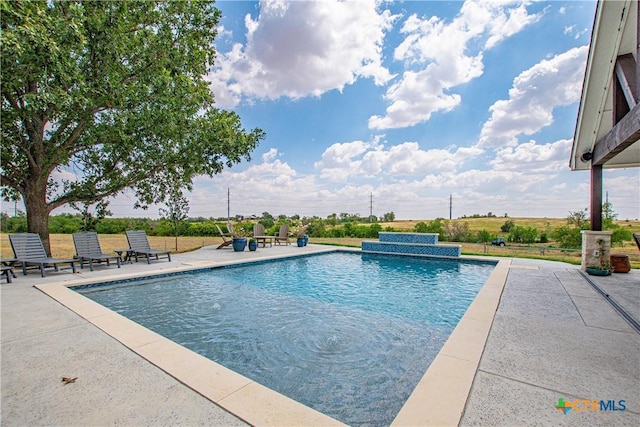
(394, 106)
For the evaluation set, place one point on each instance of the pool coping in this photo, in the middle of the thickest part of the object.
(438, 399)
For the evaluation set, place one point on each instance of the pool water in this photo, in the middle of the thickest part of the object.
(349, 335)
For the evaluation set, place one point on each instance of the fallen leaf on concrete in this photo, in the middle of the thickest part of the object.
(67, 380)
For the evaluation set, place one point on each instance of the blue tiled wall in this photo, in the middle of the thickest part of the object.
(412, 249)
(424, 238)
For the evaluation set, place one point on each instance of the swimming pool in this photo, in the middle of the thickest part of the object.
(352, 352)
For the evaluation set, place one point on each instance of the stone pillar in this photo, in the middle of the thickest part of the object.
(593, 243)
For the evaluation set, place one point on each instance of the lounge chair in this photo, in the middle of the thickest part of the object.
(636, 237)
(226, 237)
(139, 245)
(88, 249)
(29, 250)
(283, 235)
(260, 236)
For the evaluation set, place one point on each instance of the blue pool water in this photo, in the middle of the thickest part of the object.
(349, 335)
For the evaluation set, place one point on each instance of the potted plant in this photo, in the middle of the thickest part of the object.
(302, 237)
(603, 267)
(253, 244)
(239, 239)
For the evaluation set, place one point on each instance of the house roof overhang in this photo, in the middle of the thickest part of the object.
(615, 33)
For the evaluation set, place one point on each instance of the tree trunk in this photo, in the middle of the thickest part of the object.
(38, 213)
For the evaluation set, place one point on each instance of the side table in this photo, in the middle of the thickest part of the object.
(7, 268)
(128, 254)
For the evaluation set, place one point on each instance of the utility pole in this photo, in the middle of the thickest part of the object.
(450, 205)
(228, 205)
(371, 207)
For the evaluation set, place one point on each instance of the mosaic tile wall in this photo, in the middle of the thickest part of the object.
(424, 238)
(412, 249)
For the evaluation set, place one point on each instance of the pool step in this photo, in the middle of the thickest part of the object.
(425, 244)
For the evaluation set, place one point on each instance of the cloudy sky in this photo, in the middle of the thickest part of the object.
(376, 106)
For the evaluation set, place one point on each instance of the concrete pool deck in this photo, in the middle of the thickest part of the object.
(553, 336)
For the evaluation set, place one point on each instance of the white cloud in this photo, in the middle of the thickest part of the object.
(440, 56)
(303, 48)
(365, 160)
(534, 158)
(270, 155)
(535, 93)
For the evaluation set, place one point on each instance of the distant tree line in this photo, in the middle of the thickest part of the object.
(333, 226)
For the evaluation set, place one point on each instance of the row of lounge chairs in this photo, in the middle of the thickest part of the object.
(258, 234)
(29, 251)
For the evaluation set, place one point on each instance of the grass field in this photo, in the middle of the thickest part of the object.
(492, 225)
(62, 244)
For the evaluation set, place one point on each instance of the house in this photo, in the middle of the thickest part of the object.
(608, 124)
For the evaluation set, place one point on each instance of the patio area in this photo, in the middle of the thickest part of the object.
(553, 336)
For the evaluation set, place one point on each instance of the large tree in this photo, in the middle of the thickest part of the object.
(103, 96)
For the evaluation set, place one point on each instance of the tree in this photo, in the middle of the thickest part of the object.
(457, 231)
(389, 217)
(484, 236)
(578, 219)
(100, 97)
(89, 220)
(176, 210)
(420, 227)
(507, 226)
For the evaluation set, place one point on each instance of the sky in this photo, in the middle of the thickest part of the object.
(414, 107)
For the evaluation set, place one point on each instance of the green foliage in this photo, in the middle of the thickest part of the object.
(567, 237)
(420, 227)
(65, 224)
(520, 234)
(578, 219)
(268, 222)
(90, 220)
(435, 226)
(488, 215)
(316, 228)
(201, 228)
(16, 224)
(506, 227)
(620, 235)
(456, 231)
(484, 236)
(177, 208)
(389, 217)
(114, 93)
(243, 229)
